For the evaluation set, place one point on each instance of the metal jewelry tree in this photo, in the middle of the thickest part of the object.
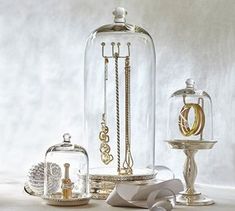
(106, 157)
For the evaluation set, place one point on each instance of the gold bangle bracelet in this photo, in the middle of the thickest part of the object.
(199, 120)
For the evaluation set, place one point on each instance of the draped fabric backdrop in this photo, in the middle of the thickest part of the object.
(42, 47)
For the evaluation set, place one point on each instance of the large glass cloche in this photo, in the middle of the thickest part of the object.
(119, 104)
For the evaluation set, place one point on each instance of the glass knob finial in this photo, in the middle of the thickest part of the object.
(190, 83)
(67, 137)
(119, 15)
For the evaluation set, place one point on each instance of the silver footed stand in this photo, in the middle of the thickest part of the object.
(190, 196)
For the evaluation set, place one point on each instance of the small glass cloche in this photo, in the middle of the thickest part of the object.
(190, 115)
(190, 128)
(66, 174)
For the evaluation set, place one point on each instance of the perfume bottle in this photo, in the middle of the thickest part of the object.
(67, 185)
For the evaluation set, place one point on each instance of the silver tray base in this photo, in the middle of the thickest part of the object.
(193, 200)
(102, 185)
(57, 200)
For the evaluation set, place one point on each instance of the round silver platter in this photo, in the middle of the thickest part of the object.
(57, 200)
(102, 185)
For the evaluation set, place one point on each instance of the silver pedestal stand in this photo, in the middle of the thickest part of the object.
(190, 196)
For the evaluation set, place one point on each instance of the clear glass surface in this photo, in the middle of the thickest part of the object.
(123, 103)
(66, 171)
(190, 114)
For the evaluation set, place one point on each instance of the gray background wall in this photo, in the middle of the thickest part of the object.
(41, 74)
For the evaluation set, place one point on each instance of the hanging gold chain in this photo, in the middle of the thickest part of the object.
(128, 160)
(106, 157)
(117, 111)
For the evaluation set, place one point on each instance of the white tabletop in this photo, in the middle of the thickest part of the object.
(13, 198)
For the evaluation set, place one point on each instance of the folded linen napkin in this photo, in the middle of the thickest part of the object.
(143, 196)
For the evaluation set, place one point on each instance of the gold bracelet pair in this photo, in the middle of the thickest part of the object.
(199, 120)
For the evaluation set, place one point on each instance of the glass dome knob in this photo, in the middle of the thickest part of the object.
(119, 15)
(190, 83)
(67, 137)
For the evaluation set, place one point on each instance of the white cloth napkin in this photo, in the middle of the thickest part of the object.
(143, 196)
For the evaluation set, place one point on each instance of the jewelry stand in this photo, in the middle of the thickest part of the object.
(190, 196)
(106, 157)
(101, 185)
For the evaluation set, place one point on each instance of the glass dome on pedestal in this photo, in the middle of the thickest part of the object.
(190, 128)
(119, 104)
(66, 174)
(190, 114)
